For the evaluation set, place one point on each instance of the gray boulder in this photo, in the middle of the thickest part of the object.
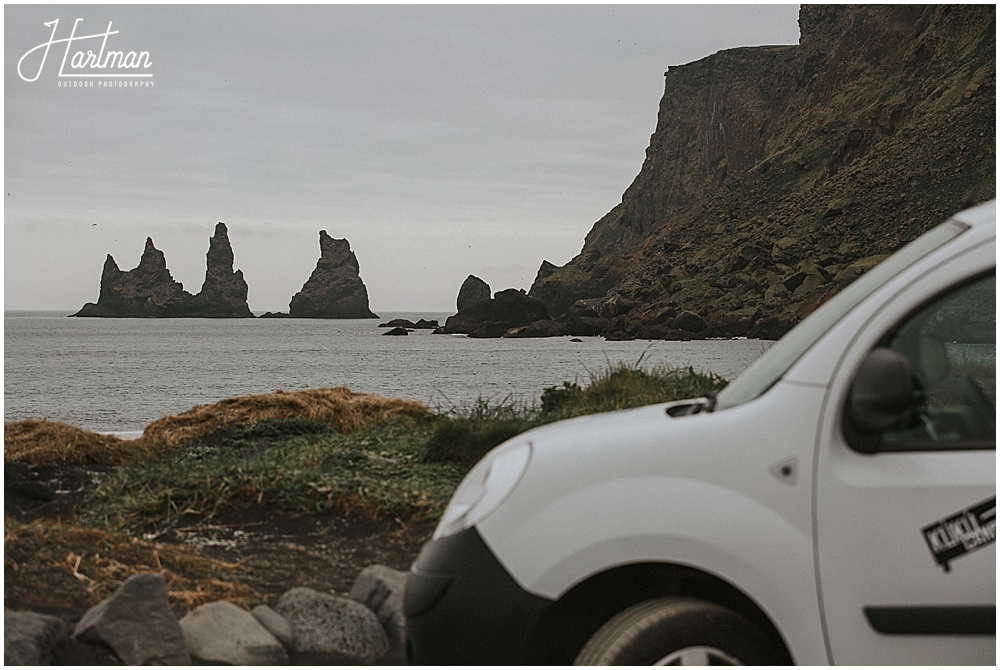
(137, 624)
(30, 638)
(331, 629)
(381, 589)
(276, 624)
(473, 290)
(221, 632)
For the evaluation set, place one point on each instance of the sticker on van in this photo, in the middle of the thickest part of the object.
(972, 528)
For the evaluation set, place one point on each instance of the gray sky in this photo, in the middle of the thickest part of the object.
(442, 141)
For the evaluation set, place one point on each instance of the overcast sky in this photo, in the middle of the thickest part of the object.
(441, 141)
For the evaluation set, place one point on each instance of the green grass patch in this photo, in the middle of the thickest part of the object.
(403, 469)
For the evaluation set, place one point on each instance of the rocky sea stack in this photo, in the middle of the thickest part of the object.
(334, 290)
(778, 174)
(149, 290)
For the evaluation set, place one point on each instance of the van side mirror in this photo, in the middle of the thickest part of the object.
(882, 395)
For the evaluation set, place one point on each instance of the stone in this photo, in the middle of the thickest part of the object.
(492, 318)
(688, 321)
(544, 328)
(331, 627)
(618, 336)
(397, 331)
(144, 291)
(586, 325)
(473, 290)
(221, 632)
(149, 290)
(382, 590)
(224, 291)
(276, 624)
(137, 624)
(397, 323)
(616, 305)
(30, 638)
(334, 290)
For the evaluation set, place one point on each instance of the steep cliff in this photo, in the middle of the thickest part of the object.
(776, 175)
(334, 290)
(149, 290)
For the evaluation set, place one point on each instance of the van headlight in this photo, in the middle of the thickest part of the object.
(486, 486)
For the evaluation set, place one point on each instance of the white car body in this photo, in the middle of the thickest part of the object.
(766, 496)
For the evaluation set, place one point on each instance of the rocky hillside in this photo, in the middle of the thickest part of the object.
(777, 175)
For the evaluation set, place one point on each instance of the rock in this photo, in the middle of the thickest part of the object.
(492, 318)
(149, 290)
(770, 328)
(224, 292)
(278, 625)
(576, 339)
(544, 328)
(473, 290)
(586, 325)
(616, 305)
(397, 323)
(332, 629)
(425, 324)
(688, 321)
(146, 290)
(137, 624)
(618, 336)
(334, 290)
(221, 632)
(274, 315)
(382, 589)
(30, 638)
(397, 331)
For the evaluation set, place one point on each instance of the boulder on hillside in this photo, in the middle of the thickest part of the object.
(30, 638)
(334, 290)
(492, 318)
(473, 290)
(382, 590)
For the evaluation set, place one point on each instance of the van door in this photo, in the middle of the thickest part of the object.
(906, 512)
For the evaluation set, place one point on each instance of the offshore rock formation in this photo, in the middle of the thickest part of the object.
(144, 291)
(473, 290)
(334, 290)
(224, 293)
(777, 175)
(149, 290)
(493, 318)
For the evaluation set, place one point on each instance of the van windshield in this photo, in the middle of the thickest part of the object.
(772, 364)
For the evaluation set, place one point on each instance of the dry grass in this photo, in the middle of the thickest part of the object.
(340, 408)
(80, 567)
(38, 442)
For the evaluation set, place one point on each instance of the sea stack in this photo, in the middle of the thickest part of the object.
(473, 290)
(224, 293)
(149, 290)
(334, 290)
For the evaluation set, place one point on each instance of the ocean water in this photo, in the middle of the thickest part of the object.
(120, 374)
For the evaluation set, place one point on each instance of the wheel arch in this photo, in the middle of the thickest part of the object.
(567, 625)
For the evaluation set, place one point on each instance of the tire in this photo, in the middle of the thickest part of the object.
(680, 631)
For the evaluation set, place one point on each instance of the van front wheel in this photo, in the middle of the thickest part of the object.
(679, 631)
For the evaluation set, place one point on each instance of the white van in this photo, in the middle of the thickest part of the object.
(836, 503)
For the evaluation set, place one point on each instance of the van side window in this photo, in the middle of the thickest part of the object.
(951, 348)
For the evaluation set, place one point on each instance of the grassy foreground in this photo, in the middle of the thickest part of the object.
(317, 451)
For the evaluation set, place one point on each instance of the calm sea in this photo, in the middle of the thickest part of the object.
(120, 374)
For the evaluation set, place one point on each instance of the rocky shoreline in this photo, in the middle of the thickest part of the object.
(135, 626)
